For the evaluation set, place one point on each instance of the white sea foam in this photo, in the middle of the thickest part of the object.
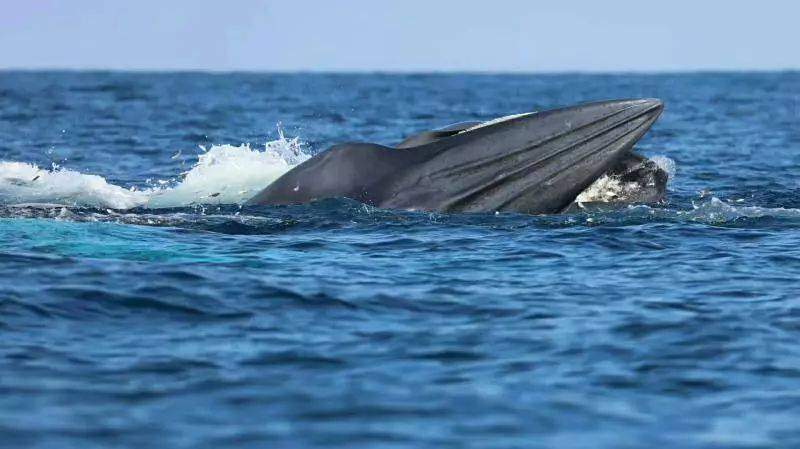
(21, 182)
(715, 210)
(224, 174)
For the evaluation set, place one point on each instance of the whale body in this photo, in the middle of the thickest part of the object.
(534, 163)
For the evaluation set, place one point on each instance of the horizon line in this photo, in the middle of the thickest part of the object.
(421, 71)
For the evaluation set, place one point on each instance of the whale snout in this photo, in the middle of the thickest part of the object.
(652, 108)
(652, 104)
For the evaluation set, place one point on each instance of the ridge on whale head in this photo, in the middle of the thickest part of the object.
(530, 163)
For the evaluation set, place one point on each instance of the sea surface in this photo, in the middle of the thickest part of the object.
(142, 306)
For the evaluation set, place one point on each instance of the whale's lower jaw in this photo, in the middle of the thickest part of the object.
(532, 163)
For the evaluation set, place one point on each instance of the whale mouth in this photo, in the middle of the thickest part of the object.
(558, 167)
(533, 163)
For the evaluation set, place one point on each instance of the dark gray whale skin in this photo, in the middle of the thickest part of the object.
(534, 164)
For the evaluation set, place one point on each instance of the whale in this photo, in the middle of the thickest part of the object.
(531, 163)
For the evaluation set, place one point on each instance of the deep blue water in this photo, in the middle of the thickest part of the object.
(338, 325)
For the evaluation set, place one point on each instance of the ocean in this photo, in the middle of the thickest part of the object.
(142, 305)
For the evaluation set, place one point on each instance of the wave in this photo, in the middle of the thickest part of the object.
(223, 174)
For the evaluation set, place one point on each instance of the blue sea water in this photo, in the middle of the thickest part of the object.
(202, 324)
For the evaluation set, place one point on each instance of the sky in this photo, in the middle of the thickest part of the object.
(401, 35)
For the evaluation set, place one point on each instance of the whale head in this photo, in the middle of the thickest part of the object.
(530, 163)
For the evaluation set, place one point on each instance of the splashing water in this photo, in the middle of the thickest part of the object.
(666, 164)
(223, 174)
(228, 174)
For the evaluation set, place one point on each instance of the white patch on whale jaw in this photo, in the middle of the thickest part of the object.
(608, 189)
(612, 189)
